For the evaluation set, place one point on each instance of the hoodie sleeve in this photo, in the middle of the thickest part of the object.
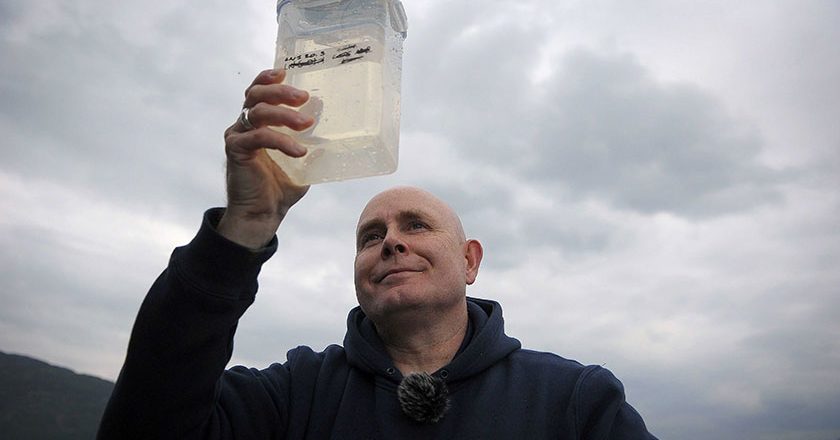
(172, 384)
(601, 411)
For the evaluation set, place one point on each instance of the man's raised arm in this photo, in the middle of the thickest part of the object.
(170, 385)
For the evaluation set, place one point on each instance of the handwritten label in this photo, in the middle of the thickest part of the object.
(330, 57)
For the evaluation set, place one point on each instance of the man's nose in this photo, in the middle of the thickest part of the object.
(393, 244)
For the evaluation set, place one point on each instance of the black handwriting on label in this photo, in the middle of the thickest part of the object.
(328, 57)
(305, 55)
(309, 62)
(346, 52)
(347, 60)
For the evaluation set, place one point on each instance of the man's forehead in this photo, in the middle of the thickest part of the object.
(382, 215)
(408, 202)
(403, 202)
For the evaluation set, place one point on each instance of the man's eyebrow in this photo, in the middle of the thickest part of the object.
(409, 214)
(367, 226)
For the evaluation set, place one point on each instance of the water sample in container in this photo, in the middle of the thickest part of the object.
(348, 55)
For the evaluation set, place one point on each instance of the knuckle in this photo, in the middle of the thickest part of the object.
(253, 92)
(287, 92)
(259, 107)
(262, 136)
(259, 114)
(231, 133)
(254, 116)
(230, 145)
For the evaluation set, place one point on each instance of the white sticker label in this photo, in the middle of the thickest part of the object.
(330, 57)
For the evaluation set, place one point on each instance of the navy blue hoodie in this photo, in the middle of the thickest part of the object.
(173, 383)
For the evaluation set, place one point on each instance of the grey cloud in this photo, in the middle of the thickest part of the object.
(610, 130)
(673, 408)
(139, 123)
(601, 126)
(777, 360)
(87, 94)
(468, 83)
(509, 235)
(63, 301)
(8, 14)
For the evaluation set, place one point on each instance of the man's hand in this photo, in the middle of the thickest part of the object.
(259, 192)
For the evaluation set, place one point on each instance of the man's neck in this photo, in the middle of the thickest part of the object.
(417, 346)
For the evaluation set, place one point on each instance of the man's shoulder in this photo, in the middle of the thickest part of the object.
(306, 355)
(545, 359)
(539, 363)
(585, 378)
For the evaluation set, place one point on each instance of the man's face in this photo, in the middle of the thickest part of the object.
(411, 254)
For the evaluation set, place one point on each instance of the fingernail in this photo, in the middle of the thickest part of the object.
(299, 149)
(300, 94)
(273, 73)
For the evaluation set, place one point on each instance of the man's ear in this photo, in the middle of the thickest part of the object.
(473, 253)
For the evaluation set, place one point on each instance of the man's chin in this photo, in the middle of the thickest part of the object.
(395, 301)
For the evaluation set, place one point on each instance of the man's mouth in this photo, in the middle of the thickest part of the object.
(389, 272)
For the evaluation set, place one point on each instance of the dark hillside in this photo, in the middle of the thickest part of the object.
(40, 401)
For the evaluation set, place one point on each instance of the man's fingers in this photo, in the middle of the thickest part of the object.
(262, 99)
(263, 115)
(250, 142)
(268, 76)
(267, 87)
(275, 94)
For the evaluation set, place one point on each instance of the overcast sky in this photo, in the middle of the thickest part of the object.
(655, 184)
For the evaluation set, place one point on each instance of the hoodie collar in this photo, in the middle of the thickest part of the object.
(484, 345)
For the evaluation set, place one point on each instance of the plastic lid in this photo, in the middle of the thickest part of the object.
(307, 3)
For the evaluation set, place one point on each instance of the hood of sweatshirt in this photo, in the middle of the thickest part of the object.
(486, 343)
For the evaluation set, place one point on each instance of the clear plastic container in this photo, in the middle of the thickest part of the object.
(348, 55)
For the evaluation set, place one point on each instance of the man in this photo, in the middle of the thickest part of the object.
(420, 359)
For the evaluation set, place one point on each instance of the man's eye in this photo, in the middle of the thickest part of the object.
(369, 237)
(417, 225)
